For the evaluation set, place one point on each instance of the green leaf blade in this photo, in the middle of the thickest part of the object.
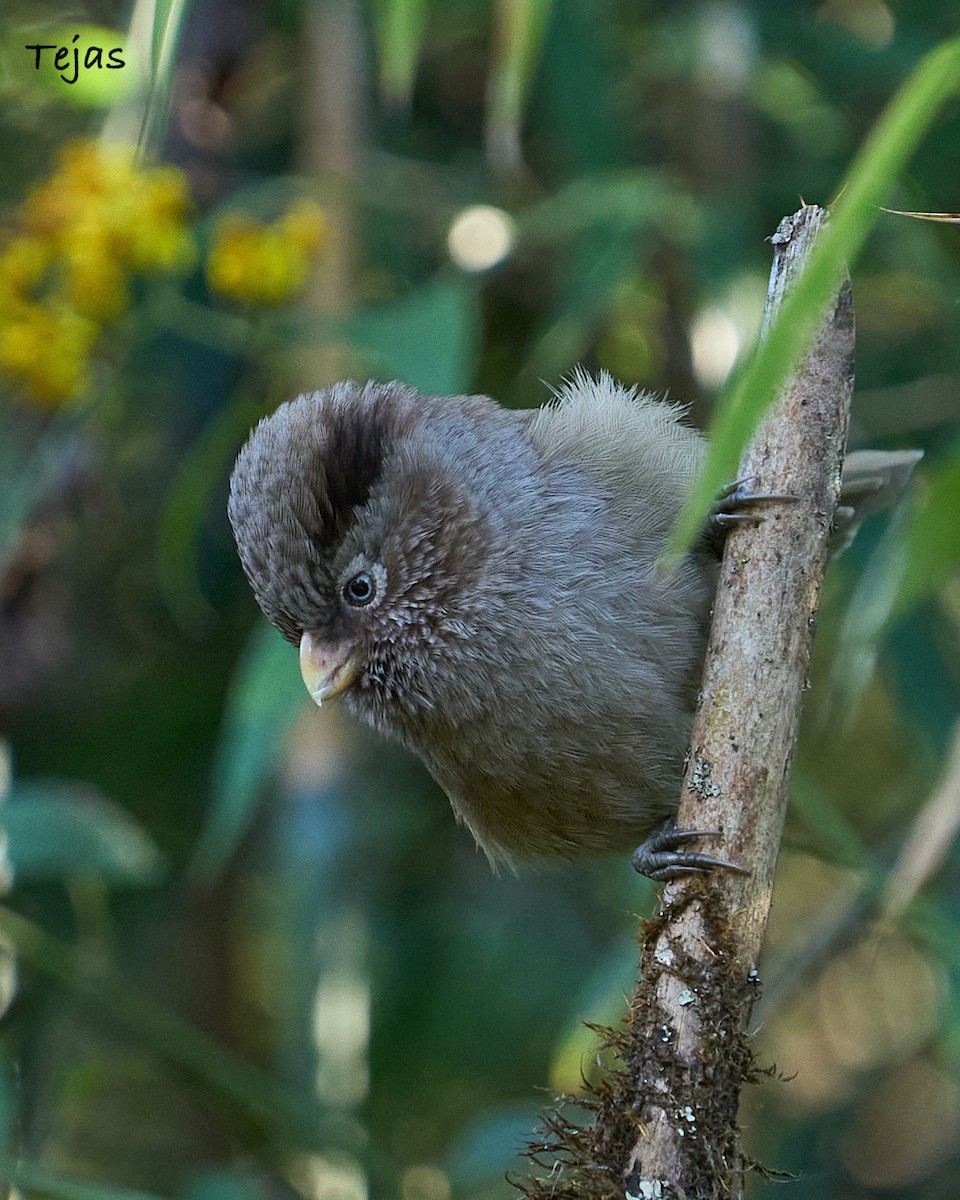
(57, 829)
(872, 175)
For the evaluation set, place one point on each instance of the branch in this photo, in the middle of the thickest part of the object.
(688, 1054)
(665, 1121)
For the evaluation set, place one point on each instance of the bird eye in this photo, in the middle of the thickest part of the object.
(360, 589)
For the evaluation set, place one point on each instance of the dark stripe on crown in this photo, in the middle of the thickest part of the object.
(357, 428)
(348, 464)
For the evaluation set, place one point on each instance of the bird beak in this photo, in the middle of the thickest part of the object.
(327, 667)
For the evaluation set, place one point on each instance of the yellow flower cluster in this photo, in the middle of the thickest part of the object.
(65, 268)
(102, 219)
(257, 264)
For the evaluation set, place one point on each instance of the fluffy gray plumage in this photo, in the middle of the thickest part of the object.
(519, 639)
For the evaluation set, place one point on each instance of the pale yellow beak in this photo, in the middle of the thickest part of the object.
(327, 667)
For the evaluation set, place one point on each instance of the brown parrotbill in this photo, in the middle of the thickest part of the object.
(482, 585)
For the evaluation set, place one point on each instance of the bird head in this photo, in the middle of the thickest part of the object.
(361, 546)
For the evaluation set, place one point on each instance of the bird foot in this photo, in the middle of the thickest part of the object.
(662, 855)
(728, 512)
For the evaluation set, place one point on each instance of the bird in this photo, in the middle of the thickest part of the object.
(481, 584)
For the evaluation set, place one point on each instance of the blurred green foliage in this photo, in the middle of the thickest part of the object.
(245, 951)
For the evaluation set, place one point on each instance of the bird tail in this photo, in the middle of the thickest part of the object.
(872, 480)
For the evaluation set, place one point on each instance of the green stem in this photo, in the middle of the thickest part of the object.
(172, 312)
(166, 39)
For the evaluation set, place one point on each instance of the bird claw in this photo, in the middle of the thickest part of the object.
(728, 511)
(736, 496)
(661, 857)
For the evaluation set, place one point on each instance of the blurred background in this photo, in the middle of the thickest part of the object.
(245, 950)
